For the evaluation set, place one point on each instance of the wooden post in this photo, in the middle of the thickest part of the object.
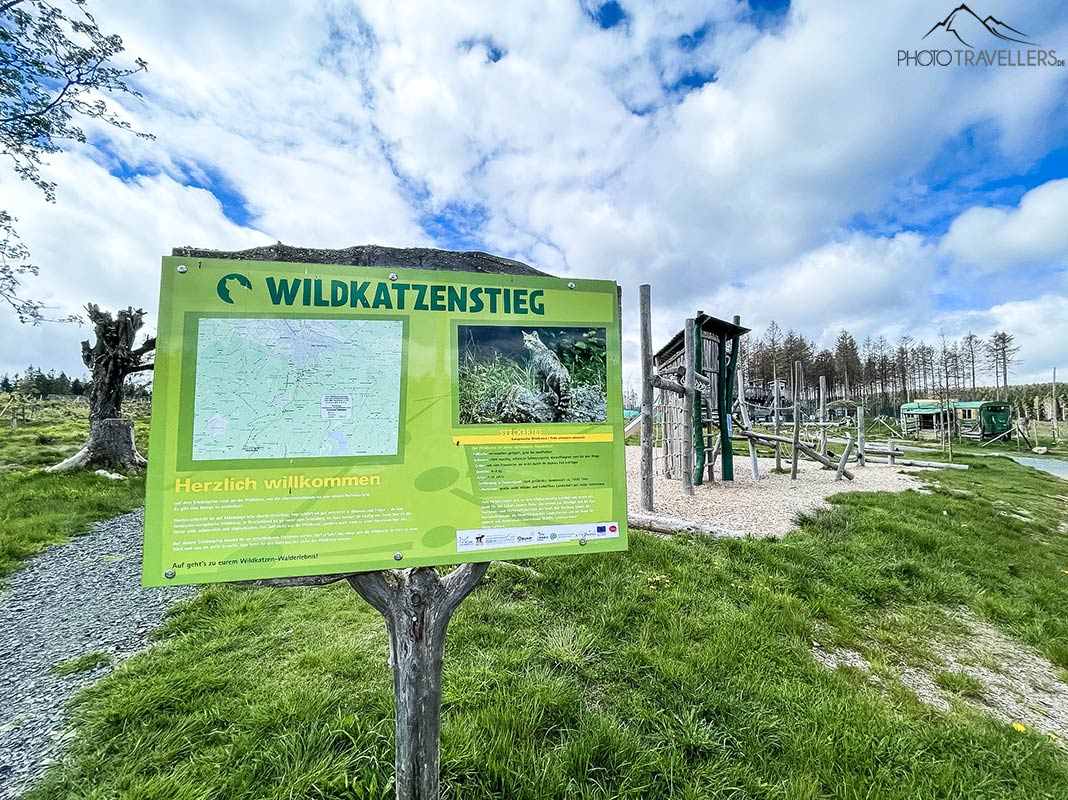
(698, 408)
(861, 430)
(797, 420)
(778, 447)
(1053, 409)
(745, 423)
(687, 410)
(647, 398)
(417, 605)
(891, 456)
(845, 457)
(723, 412)
(823, 414)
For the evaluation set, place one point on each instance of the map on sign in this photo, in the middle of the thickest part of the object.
(296, 388)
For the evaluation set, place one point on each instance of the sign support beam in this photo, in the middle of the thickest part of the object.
(417, 605)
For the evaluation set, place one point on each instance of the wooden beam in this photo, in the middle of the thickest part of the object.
(647, 398)
(823, 414)
(667, 384)
(698, 408)
(778, 446)
(661, 524)
(908, 462)
(797, 421)
(845, 458)
(723, 411)
(861, 430)
(769, 441)
(1053, 410)
(687, 409)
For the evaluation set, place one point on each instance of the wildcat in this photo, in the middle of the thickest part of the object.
(553, 374)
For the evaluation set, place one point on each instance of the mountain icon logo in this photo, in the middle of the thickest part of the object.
(970, 30)
(223, 287)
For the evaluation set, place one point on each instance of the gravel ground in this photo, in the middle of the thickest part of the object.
(764, 508)
(1019, 685)
(77, 598)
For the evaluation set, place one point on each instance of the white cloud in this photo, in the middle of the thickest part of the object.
(1040, 328)
(101, 242)
(995, 238)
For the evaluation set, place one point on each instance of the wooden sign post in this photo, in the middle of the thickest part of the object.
(417, 605)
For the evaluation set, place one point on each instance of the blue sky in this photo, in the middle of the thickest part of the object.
(768, 159)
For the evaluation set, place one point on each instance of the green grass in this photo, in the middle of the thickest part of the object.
(37, 508)
(61, 432)
(82, 663)
(479, 381)
(959, 683)
(680, 669)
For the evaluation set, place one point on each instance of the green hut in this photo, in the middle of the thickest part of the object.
(925, 419)
(982, 419)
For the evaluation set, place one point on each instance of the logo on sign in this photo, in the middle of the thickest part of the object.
(224, 285)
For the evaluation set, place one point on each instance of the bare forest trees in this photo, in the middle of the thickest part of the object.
(971, 350)
(847, 361)
(1001, 351)
(883, 374)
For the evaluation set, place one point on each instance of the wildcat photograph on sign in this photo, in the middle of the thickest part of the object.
(515, 374)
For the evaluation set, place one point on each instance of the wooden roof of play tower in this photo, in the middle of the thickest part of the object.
(721, 329)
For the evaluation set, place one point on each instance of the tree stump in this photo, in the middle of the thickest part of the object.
(111, 359)
(111, 445)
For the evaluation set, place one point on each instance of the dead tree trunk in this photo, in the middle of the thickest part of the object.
(111, 359)
(417, 605)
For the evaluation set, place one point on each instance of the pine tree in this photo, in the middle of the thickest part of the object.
(847, 361)
(971, 348)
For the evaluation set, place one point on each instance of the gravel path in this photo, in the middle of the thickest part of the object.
(764, 508)
(1018, 684)
(77, 598)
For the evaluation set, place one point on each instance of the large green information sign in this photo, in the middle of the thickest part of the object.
(311, 419)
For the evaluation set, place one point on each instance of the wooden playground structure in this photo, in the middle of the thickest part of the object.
(690, 388)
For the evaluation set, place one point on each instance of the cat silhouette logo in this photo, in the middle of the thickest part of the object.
(223, 287)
